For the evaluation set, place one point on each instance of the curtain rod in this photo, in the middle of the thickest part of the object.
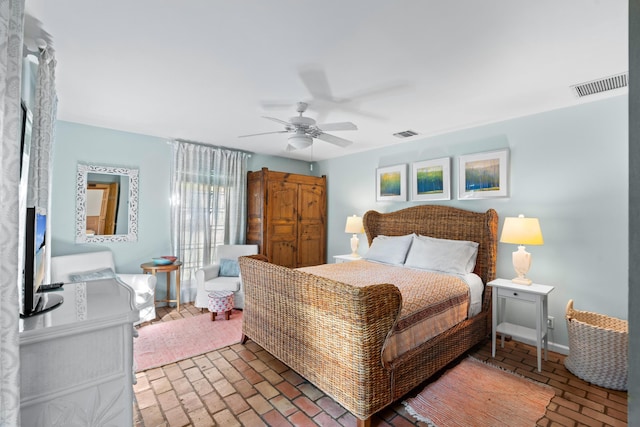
(249, 153)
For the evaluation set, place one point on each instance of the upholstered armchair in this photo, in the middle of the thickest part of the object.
(100, 265)
(223, 274)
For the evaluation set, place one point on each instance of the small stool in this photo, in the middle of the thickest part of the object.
(220, 301)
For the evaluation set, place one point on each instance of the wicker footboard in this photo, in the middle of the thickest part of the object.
(329, 332)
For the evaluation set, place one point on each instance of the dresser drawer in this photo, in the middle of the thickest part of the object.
(515, 294)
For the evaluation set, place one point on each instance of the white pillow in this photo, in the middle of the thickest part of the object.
(389, 249)
(449, 256)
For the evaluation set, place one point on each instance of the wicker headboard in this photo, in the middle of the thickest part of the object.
(442, 222)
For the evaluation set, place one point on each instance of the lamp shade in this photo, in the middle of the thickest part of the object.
(354, 225)
(521, 231)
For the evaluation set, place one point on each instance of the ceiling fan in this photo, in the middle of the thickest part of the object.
(323, 101)
(304, 129)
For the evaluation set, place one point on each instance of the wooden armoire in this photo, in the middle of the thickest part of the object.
(286, 217)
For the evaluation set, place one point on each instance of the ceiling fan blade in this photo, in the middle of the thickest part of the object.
(315, 79)
(337, 126)
(282, 122)
(263, 133)
(334, 140)
(379, 91)
(277, 105)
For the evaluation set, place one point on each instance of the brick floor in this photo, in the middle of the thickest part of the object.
(243, 385)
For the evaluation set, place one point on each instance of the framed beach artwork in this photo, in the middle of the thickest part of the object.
(431, 180)
(391, 183)
(483, 175)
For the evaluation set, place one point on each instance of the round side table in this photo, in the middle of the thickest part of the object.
(150, 267)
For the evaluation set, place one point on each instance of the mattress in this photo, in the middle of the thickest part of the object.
(431, 302)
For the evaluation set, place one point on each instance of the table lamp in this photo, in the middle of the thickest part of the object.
(354, 225)
(521, 231)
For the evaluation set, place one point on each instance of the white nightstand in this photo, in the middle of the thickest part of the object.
(535, 294)
(345, 258)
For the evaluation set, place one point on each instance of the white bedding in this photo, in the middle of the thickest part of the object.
(476, 287)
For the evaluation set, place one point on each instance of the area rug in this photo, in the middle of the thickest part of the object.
(474, 393)
(168, 342)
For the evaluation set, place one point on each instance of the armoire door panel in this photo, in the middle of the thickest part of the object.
(311, 201)
(282, 203)
(282, 253)
(279, 230)
(310, 230)
(311, 252)
(311, 244)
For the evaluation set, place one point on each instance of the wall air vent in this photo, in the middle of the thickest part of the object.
(405, 134)
(601, 85)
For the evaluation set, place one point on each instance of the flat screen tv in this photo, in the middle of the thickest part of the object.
(33, 301)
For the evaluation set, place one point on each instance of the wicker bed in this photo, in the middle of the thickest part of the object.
(333, 333)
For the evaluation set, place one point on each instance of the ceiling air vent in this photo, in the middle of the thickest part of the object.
(601, 85)
(405, 134)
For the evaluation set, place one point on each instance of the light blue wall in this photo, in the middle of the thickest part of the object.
(281, 164)
(92, 145)
(568, 168)
(152, 156)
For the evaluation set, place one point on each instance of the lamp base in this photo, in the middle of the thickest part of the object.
(521, 281)
(521, 263)
(354, 245)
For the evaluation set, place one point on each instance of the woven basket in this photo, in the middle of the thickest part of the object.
(597, 348)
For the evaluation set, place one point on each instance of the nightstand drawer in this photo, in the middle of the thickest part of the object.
(516, 294)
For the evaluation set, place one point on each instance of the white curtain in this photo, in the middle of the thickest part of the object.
(208, 206)
(11, 29)
(40, 159)
(44, 116)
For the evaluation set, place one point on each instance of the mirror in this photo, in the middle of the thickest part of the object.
(106, 204)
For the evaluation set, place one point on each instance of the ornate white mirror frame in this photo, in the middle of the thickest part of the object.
(81, 204)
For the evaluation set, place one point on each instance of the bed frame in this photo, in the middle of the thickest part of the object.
(333, 334)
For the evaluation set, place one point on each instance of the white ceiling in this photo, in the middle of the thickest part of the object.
(204, 70)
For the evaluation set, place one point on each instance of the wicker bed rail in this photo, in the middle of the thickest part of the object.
(329, 332)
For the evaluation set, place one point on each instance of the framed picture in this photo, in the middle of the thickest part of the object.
(483, 175)
(431, 180)
(391, 183)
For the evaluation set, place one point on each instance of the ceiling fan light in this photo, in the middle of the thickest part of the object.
(300, 141)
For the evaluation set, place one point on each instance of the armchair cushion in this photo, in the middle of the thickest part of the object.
(229, 268)
(223, 284)
(102, 273)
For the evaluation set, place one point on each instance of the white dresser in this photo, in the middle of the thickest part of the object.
(76, 361)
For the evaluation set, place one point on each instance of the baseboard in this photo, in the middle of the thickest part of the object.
(558, 348)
